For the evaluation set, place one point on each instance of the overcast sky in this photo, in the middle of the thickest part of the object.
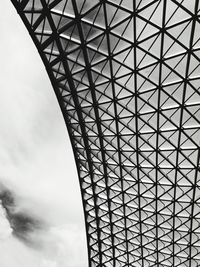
(37, 164)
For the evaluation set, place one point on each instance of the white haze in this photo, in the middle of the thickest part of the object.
(36, 158)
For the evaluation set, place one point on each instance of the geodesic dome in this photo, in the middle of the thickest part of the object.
(127, 77)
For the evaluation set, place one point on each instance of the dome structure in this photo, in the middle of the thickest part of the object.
(127, 78)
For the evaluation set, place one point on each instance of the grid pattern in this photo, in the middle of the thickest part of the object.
(127, 77)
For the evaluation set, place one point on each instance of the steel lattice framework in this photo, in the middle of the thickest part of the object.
(127, 77)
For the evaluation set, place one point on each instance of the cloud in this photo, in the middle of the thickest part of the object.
(55, 250)
(37, 163)
(34, 237)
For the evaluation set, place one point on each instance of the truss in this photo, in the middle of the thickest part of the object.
(127, 76)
